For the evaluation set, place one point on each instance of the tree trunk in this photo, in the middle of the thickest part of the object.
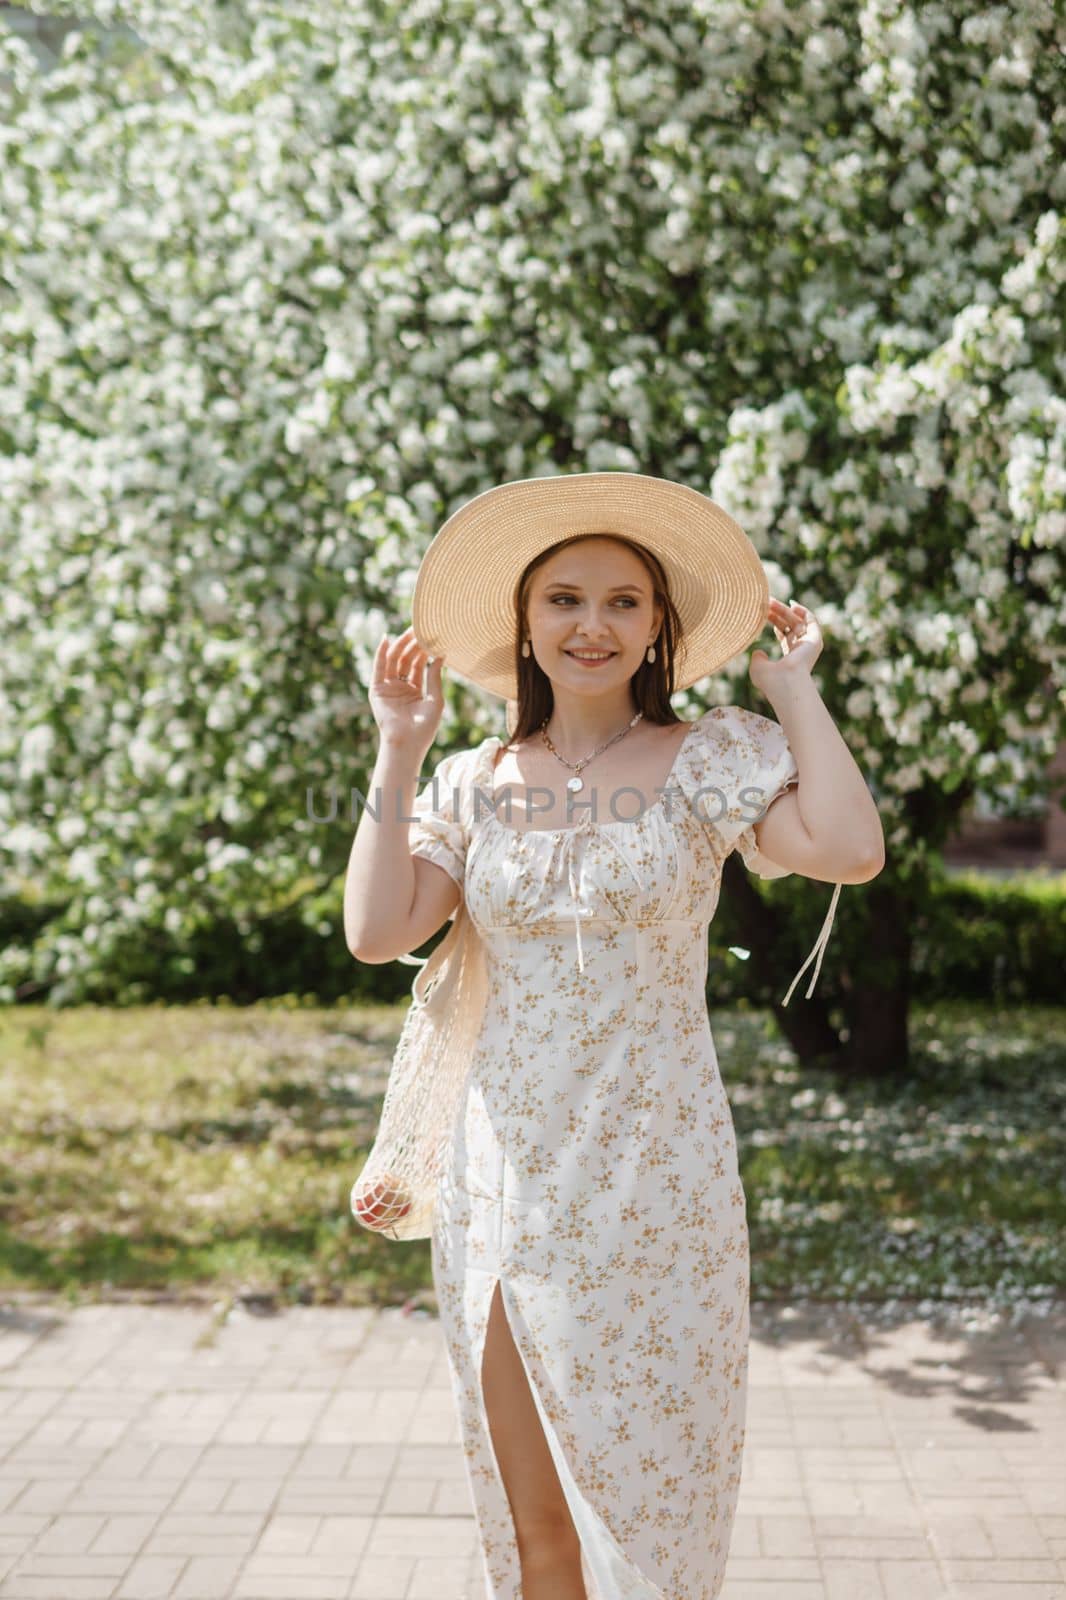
(871, 989)
(877, 1044)
(805, 1023)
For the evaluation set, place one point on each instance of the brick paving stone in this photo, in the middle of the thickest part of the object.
(1008, 1591)
(889, 1530)
(452, 1499)
(1020, 1537)
(206, 1577)
(782, 1569)
(1017, 1570)
(744, 1545)
(151, 1452)
(122, 1535)
(249, 1494)
(19, 1531)
(327, 1497)
(149, 1578)
(1045, 1495)
(913, 1580)
(343, 1536)
(786, 1536)
(959, 1536)
(770, 1589)
(432, 1578)
(283, 1586)
(71, 1536)
(852, 1580)
(382, 1578)
(36, 1586)
(57, 1569)
(860, 1546)
(289, 1536)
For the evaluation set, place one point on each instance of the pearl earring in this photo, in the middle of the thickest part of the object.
(525, 647)
(651, 653)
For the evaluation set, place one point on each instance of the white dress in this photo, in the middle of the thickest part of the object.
(594, 1169)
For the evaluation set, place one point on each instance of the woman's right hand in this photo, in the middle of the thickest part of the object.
(405, 694)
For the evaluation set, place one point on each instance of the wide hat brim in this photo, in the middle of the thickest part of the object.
(463, 603)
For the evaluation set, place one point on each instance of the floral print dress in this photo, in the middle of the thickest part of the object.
(594, 1171)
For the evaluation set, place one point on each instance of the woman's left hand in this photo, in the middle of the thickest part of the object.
(800, 639)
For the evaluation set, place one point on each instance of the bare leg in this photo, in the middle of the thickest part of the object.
(548, 1547)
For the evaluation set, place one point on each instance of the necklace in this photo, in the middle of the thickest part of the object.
(575, 783)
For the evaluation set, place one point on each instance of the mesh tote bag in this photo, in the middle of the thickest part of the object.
(395, 1192)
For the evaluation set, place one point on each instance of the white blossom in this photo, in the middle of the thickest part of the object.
(248, 370)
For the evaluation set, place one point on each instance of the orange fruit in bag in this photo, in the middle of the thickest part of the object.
(383, 1204)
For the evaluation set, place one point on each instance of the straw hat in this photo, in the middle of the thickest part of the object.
(463, 602)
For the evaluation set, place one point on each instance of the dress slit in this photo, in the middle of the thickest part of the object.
(609, 1574)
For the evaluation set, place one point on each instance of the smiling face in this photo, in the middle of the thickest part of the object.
(593, 597)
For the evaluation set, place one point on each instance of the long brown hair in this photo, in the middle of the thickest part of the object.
(652, 682)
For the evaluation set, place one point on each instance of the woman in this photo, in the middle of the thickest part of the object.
(590, 1248)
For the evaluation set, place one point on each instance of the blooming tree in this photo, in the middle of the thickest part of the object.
(280, 289)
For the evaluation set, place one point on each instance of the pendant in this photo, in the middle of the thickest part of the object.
(574, 784)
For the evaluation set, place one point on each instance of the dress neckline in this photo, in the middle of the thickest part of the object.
(494, 743)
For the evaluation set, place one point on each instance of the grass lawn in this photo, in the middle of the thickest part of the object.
(209, 1151)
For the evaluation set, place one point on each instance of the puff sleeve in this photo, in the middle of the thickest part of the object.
(737, 763)
(768, 769)
(439, 831)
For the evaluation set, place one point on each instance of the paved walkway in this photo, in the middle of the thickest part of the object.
(153, 1450)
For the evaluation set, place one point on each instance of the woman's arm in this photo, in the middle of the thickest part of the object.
(393, 901)
(828, 825)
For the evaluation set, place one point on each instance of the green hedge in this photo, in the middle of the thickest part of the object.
(1001, 939)
(975, 937)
